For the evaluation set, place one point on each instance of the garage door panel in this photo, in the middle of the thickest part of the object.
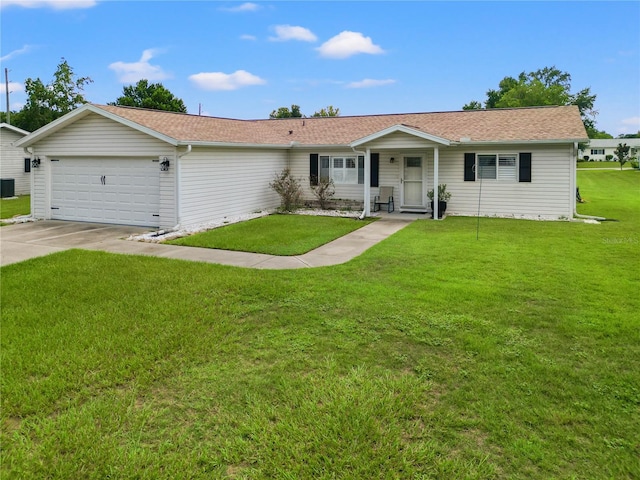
(122, 191)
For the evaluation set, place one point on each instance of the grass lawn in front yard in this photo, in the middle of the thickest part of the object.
(15, 206)
(432, 355)
(275, 234)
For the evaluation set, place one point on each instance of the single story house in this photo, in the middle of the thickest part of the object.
(13, 164)
(162, 169)
(598, 148)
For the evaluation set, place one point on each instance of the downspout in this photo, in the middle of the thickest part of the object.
(177, 189)
(364, 207)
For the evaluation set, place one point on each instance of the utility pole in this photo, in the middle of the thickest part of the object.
(6, 88)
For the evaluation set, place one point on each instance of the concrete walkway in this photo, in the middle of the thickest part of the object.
(28, 240)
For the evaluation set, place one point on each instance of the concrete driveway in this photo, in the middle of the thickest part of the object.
(34, 239)
(27, 240)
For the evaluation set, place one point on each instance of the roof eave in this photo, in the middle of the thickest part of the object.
(521, 141)
(8, 126)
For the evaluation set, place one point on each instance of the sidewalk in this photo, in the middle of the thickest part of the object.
(24, 241)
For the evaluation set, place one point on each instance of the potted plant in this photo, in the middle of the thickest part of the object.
(443, 197)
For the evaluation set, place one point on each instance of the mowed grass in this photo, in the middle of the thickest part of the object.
(9, 208)
(275, 234)
(432, 355)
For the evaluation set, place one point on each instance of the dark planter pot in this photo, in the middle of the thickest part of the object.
(442, 207)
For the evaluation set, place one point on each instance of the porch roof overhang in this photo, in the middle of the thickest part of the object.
(402, 129)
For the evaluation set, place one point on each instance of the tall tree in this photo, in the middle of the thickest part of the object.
(546, 86)
(284, 112)
(153, 96)
(330, 111)
(46, 103)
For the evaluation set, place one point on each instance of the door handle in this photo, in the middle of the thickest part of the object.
(103, 180)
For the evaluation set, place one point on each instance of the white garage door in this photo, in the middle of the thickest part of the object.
(120, 191)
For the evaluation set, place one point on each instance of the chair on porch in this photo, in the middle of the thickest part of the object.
(385, 197)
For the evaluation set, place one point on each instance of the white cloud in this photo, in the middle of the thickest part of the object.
(225, 81)
(55, 4)
(15, 53)
(289, 32)
(245, 7)
(247, 37)
(368, 82)
(347, 44)
(14, 87)
(134, 71)
(631, 123)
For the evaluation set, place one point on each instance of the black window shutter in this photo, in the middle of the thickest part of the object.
(469, 167)
(313, 168)
(525, 168)
(375, 169)
(27, 165)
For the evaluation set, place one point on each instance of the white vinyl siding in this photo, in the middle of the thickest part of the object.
(95, 135)
(12, 161)
(219, 183)
(547, 196)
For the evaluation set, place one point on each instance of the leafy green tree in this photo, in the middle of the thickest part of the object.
(622, 152)
(630, 135)
(45, 103)
(284, 112)
(546, 86)
(153, 96)
(330, 111)
(472, 105)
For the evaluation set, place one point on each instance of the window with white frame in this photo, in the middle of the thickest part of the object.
(502, 167)
(597, 151)
(343, 170)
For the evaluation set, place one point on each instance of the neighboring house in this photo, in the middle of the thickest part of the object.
(153, 168)
(14, 163)
(598, 148)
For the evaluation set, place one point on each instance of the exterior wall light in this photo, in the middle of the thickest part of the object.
(164, 164)
(35, 163)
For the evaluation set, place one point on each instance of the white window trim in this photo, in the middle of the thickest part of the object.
(350, 173)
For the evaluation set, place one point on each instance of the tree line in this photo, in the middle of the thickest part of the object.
(65, 92)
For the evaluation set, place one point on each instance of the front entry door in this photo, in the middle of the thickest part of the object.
(412, 185)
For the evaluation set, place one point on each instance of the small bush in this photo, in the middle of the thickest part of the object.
(288, 187)
(324, 191)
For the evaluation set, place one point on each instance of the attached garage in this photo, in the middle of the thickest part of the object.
(112, 190)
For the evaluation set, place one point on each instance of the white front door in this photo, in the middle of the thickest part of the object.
(413, 183)
(112, 190)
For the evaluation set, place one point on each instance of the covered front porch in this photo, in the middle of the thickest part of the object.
(409, 162)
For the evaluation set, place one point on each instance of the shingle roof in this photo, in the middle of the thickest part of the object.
(540, 124)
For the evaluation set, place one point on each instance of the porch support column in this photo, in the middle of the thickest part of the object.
(436, 198)
(367, 182)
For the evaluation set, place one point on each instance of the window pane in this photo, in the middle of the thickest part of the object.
(487, 164)
(350, 162)
(507, 168)
(413, 161)
(324, 167)
(338, 162)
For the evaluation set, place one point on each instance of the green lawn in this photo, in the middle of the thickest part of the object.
(265, 235)
(589, 165)
(432, 355)
(17, 206)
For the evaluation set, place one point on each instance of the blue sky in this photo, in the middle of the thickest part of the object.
(244, 60)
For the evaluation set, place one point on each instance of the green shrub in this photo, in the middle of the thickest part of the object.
(288, 187)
